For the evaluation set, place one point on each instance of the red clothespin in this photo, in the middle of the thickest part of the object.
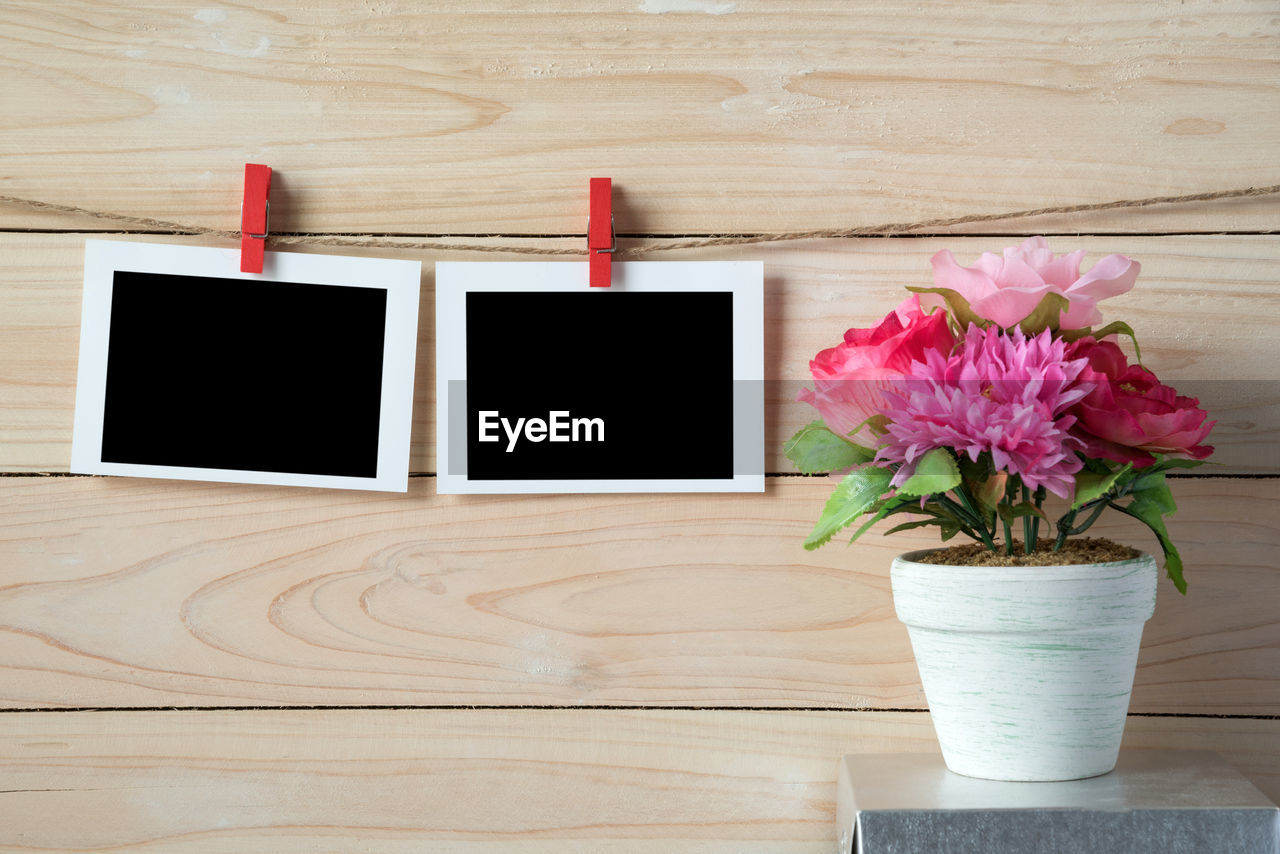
(255, 214)
(600, 239)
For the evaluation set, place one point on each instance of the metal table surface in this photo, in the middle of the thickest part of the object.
(1154, 802)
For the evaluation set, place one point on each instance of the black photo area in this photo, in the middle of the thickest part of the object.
(241, 374)
(656, 368)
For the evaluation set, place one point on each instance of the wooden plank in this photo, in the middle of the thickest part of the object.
(1205, 308)
(716, 117)
(471, 781)
(118, 592)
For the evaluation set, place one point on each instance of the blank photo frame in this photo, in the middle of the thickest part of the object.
(655, 384)
(301, 375)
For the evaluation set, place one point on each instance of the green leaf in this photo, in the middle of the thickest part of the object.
(919, 523)
(857, 492)
(1153, 490)
(947, 529)
(878, 423)
(1119, 327)
(935, 472)
(1009, 512)
(961, 313)
(885, 508)
(814, 448)
(1178, 463)
(1115, 327)
(1096, 465)
(944, 512)
(991, 490)
(1173, 565)
(1045, 315)
(975, 472)
(1152, 501)
(1090, 486)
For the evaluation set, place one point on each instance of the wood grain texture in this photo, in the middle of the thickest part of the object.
(1205, 309)
(711, 116)
(520, 781)
(714, 116)
(118, 592)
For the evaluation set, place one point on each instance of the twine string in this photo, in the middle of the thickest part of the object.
(883, 230)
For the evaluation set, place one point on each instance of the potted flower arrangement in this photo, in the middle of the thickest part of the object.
(964, 409)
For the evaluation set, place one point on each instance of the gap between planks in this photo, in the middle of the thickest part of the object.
(779, 474)
(562, 708)
(468, 235)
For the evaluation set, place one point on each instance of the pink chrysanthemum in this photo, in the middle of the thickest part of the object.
(1002, 393)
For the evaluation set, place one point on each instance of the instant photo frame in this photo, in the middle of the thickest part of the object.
(546, 385)
(301, 375)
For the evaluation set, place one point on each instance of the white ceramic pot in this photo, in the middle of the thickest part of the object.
(1027, 670)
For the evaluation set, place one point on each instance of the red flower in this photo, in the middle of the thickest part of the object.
(850, 379)
(1130, 415)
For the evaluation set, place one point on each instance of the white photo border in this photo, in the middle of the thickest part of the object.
(745, 279)
(399, 278)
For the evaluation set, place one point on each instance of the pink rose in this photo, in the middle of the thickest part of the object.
(1130, 415)
(849, 380)
(1007, 289)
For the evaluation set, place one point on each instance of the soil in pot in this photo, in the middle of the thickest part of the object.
(1077, 551)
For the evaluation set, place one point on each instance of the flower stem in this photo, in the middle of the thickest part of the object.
(1064, 529)
(961, 516)
(1028, 535)
(975, 516)
(1035, 523)
(1087, 523)
(1008, 499)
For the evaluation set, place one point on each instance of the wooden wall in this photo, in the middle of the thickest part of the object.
(203, 667)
